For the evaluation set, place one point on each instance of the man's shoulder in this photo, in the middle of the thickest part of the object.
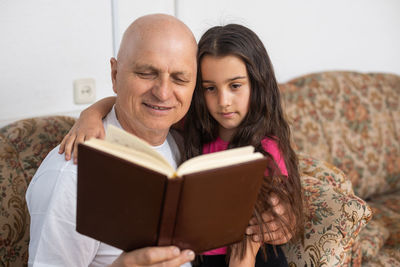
(56, 162)
(54, 168)
(54, 179)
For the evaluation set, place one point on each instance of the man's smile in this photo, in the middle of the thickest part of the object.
(157, 107)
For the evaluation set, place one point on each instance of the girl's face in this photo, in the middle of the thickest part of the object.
(227, 91)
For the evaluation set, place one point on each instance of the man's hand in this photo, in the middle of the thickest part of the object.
(154, 256)
(279, 234)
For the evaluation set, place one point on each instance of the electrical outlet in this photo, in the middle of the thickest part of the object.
(84, 91)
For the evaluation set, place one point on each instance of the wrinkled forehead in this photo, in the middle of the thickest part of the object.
(163, 52)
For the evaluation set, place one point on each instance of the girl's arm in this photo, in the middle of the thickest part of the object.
(88, 125)
(249, 259)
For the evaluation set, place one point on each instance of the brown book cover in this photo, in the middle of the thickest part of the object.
(130, 206)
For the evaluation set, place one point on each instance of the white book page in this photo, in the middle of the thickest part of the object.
(221, 154)
(218, 159)
(119, 136)
(137, 157)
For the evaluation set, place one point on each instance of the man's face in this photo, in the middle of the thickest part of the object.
(154, 86)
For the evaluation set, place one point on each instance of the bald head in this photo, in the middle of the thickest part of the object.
(154, 28)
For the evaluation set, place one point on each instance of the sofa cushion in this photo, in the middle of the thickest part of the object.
(372, 239)
(333, 221)
(386, 257)
(386, 210)
(351, 120)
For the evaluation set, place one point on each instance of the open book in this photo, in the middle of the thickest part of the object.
(129, 196)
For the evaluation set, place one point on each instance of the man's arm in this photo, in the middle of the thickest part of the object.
(51, 199)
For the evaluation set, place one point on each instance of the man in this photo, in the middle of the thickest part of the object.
(154, 77)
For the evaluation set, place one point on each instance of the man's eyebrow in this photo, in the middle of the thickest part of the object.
(185, 74)
(142, 67)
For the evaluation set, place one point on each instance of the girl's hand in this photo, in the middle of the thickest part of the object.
(84, 128)
(88, 125)
(279, 234)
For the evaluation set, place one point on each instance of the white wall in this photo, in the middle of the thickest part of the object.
(46, 45)
(311, 35)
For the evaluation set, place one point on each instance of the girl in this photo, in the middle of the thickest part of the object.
(236, 103)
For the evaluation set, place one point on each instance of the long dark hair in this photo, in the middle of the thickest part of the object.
(265, 118)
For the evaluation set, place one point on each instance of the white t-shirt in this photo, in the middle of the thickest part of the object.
(51, 200)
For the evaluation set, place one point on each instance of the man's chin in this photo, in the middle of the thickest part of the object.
(159, 127)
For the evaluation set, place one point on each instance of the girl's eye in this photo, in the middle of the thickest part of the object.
(209, 88)
(236, 86)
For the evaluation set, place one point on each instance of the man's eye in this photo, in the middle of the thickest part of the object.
(145, 75)
(180, 81)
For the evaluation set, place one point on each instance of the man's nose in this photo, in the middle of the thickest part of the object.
(163, 89)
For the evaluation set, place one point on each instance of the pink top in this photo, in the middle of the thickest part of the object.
(269, 146)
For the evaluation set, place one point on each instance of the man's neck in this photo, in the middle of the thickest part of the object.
(153, 138)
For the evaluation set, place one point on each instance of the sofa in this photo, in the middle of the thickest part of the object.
(23, 146)
(352, 121)
(339, 230)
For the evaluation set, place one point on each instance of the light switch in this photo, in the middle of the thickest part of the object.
(84, 91)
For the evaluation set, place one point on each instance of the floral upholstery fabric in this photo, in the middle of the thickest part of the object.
(325, 172)
(352, 121)
(334, 218)
(372, 239)
(390, 219)
(23, 146)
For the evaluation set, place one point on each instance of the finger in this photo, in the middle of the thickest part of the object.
(147, 256)
(274, 199)
(68, 146)
(279, 209)
(159, 255)
(277, 238)
(280, 236)
(267, 217)
(253, 221)
(79, 139)
(102, 133)
(62, 144)
(266, 227)
(184, 257)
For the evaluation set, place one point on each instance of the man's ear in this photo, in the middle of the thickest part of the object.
(114, 64)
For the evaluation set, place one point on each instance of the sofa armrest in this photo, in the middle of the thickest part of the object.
(325, 171)
(333, 221)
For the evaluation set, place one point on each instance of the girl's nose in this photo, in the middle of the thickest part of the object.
(224, 99)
